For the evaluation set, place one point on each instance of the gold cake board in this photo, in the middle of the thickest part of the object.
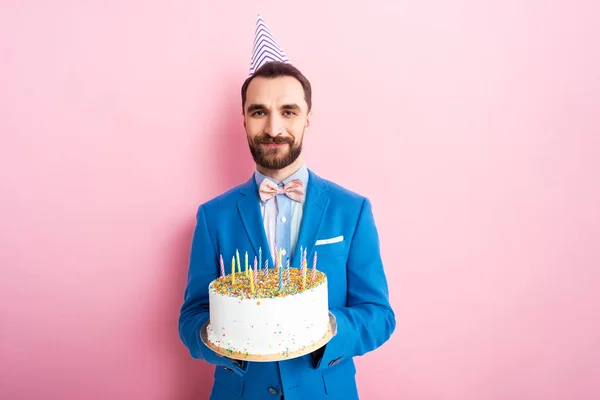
(331, 332)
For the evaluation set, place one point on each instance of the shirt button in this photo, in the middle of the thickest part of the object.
(272, 391)
(283, 219)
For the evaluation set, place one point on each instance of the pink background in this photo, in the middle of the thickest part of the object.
(473, 126)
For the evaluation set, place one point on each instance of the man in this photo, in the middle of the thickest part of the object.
(276, 102)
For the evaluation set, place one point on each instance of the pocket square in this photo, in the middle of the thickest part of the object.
(329, 241)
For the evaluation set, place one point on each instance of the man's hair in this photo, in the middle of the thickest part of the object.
(275, 69)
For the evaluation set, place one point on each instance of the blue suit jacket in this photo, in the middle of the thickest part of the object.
(358, 291)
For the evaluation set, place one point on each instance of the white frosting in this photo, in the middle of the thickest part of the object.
(269, 325)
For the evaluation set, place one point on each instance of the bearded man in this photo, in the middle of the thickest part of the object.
(287, 205)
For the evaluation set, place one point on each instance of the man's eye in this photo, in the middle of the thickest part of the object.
(289, 113)
(257, 113)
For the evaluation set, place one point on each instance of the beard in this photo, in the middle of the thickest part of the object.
(274, 158)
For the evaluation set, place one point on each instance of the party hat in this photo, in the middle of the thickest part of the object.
(265, 47)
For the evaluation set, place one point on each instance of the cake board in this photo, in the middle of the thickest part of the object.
(331, 332)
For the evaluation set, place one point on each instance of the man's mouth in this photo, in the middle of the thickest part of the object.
(274, 145)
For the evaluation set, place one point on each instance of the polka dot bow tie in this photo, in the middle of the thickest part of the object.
(293, 189)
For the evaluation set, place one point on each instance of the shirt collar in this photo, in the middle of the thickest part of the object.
(301, 174)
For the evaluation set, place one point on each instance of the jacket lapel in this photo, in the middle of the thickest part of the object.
(250, 214)
(315, 205)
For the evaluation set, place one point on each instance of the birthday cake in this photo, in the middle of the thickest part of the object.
(267, 313)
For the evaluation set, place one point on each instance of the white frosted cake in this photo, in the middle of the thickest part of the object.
(266, 315)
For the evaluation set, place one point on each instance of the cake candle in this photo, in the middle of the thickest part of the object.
(304, 272)
(314, 268)
(287, 270)
(232, 269)
(222, 266)
(237, 256)
(251, 274)
(260, 257)
(246, 263)
(266, 267)
(280, 258)
(256, 266)
(280, 280)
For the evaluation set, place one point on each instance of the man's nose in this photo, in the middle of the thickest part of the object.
(274, 126)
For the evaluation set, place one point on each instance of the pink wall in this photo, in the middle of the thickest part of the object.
(473, 127)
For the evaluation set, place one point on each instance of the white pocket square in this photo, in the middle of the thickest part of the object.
(329, 241)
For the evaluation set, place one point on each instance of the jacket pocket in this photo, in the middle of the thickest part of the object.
(340, 379)
(229, 380)
(335, 245)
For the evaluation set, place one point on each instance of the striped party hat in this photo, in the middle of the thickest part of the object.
(265, 47)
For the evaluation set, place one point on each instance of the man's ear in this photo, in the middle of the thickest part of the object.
(308, 120)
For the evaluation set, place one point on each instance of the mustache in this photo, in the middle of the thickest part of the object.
(266, 139)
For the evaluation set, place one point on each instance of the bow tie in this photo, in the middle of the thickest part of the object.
(293, 189)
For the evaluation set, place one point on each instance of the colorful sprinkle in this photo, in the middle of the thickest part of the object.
(266, 286)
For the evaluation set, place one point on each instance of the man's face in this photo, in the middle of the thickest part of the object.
(275, 117)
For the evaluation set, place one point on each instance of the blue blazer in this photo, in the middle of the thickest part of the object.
(357, 285)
